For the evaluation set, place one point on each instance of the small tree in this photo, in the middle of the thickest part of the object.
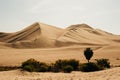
(88, 53)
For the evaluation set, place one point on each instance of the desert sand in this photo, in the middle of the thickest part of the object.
(48, 43)
(111, 74)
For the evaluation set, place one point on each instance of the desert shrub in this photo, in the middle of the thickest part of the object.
(67, 69)
(89, 67)
(34, 66)
(50, 67)
(54, 68)
(74, 63)
(43, 68)
(57, 66)
(60, 64)
(7, 68)
(30, 65)
(103, 63)
(29, 68)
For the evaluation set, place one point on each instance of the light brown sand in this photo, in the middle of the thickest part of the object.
(39, 35)
(47, 43)
(110, 74)
(17, 56)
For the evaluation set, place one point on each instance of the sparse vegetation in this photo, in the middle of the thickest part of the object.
(88, 53)
(89, 67)
(67, 69)
(7, 68)
(32, 65)
(60, 64)
(67, 66)
(103, 63)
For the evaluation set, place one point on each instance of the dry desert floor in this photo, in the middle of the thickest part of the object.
(14, 57)
(110, 74)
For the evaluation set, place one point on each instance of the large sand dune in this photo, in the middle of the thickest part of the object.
(51, 43)
(39, 35)
(47, 43)
(83, 34)
(34, 36)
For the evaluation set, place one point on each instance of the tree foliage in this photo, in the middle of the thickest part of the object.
(88, 53)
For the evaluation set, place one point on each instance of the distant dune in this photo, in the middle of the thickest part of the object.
(83, 34)
(48, 43)
(34, 36)
(39, 35)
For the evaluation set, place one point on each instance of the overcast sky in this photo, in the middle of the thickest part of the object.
(18, 14)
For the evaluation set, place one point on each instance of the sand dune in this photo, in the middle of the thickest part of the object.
(39, 35)
(35, 35)
(51, 43)
(47, 43)
(86, 35)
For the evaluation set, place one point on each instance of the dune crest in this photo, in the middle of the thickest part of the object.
(34, 36)
(40, 35)
(82, 34)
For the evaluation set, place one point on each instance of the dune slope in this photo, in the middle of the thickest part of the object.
(83, 34)
(34, 36)
(39, 35)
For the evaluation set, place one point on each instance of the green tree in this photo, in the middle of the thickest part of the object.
(88, 53)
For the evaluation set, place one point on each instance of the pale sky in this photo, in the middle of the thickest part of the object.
(101, 14)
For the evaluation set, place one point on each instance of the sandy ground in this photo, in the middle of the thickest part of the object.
(12, 57)
(110, 74)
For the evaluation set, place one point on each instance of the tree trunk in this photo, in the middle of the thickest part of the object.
(88, 61)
